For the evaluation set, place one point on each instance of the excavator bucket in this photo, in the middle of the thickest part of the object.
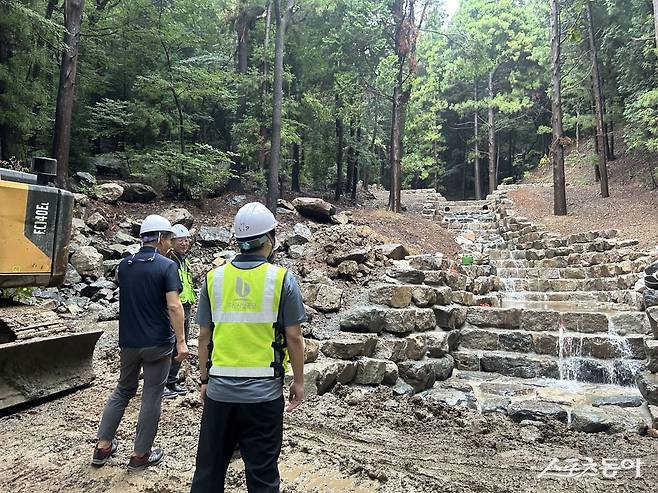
(37, 368)
(39, 357)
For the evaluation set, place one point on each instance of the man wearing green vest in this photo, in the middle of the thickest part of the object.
(250, 313)
(180, 245)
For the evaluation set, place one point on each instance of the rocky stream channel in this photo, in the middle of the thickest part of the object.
(423, 372)
(526, 323)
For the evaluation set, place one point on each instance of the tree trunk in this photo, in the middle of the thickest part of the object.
(598, 102)
(397, 132)
(476, 136)
(557, 148)
(612, 141)
(395, 157)
(5, 152)
(492, 137)
(264, 131)
(497, 163)
(383, 161)
(355, 172)
(296, 166)
(406, 31)
(66, 90)
(242, 29)
(373, 152)
(277, 102)
(597, 171)
(655, 20)
(510, 153)
(302, 162)
(177, 102)
(578, 131)
(606, 140)
(350, 159)
(339, 149)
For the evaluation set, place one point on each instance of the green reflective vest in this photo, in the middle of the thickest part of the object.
(187, 295)
(246, 340)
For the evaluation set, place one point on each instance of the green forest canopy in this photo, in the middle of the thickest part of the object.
(179, 92)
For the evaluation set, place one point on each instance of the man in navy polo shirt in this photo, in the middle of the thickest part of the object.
(149, 306)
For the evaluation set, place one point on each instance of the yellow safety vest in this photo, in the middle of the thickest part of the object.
(246, 340)
(187, 295)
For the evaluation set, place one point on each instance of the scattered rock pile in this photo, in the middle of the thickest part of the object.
(112, 192)
(90, 283)
(344, 251)
(326, 256)
(401, 335)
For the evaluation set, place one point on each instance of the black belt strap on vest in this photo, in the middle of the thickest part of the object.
(279, 343)
(277, 364)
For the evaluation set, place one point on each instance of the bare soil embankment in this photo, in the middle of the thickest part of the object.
(632, 207)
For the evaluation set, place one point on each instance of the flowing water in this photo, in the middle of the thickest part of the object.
(521, 287)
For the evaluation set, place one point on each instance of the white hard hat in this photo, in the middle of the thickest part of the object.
(155, 224)
(180, 231)
(253, 220)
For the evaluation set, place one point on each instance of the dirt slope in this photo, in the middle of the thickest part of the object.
(632, 207)
(410, 229)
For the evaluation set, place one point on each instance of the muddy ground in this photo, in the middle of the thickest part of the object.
(351, 440)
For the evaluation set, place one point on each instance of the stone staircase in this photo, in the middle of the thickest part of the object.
(533, 325)
(583, 346)
(566, 317)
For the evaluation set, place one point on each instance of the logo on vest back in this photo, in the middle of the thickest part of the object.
(242, 288)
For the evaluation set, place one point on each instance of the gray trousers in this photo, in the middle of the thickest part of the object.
(652, 315)
(175, 365)
(155, 361)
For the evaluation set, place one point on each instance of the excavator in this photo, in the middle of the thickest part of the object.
(39, 356)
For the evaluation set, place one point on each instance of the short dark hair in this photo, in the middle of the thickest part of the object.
(154, 235)
(255, 242)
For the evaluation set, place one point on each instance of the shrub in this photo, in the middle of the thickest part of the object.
(201, 171)
(641, 131)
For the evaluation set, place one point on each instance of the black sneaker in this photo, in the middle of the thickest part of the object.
(139, 463)
(102, 455)
(180, 390)
(169, 393)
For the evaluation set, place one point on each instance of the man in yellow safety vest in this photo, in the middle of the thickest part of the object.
(180, 246)
(250, 313)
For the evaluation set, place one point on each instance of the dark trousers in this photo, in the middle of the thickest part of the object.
(258, 430)
(172, 378)
(155, 363)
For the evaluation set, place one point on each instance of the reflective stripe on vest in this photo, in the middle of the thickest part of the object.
(245, 306)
